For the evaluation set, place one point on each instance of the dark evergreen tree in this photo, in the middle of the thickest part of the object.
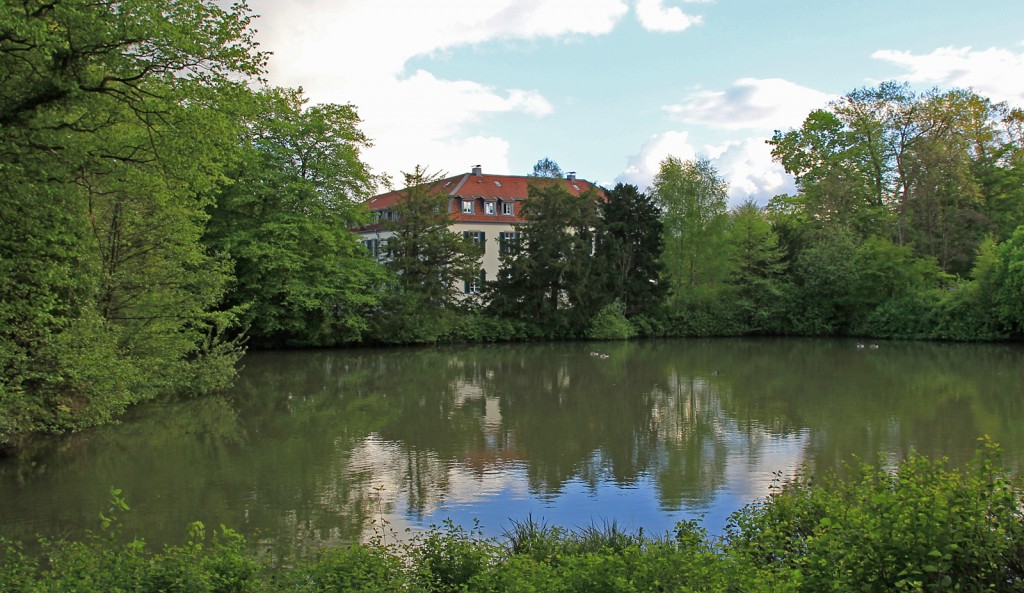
(550, 277)
(629, 249)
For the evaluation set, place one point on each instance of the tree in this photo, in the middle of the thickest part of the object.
(547, 168)
(692, 198)
(429, 263)
(550, 278)
(912, 168)
(301, 276)
(110, 149)
(629, 247)
(756, 268)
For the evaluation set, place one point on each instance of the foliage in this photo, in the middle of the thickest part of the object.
(110, 151)
(368, 569)
(630, 245)
(913, 525)
(447, 559)
(551, 278)
(301, 277)
(546, 167)
(428, 262)
(610, 323)
(692, 198)
(919, 170)
(756, 269)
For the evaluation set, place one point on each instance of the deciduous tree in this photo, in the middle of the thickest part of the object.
(301, 276)
(692, 198)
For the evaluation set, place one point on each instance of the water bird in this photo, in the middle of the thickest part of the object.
(859, 345)
(873, 346)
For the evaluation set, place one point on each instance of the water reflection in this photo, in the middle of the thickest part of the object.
(317, 447)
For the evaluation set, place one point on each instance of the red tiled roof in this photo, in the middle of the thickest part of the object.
(482, 188)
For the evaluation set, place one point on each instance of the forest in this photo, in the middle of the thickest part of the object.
(164, 209)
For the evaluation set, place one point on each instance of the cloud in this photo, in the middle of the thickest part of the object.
(748, 167)
(643, 166)
(750, 103)
(994, 72)
(655, 16)
(745, 164)
(357, 52)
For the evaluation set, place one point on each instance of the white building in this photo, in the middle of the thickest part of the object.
(484, 207)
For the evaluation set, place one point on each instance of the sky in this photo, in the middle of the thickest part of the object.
(609, 88)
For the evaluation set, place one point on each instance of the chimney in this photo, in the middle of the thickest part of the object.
(478, 171)
(571, 176)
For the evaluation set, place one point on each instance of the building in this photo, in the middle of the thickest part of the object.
(484, 207)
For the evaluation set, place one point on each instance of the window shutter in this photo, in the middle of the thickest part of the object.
(483, 241)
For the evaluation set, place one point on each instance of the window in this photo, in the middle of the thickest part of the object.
(489, 208)
(373, 246)
(467, 206)
(508, 208)
(508, 242)
(476, 284)
(477, 237)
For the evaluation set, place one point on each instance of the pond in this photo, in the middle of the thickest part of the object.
(315, 448)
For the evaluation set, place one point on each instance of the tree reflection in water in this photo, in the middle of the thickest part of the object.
(316, 448)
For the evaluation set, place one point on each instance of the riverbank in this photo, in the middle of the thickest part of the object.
(918, 526)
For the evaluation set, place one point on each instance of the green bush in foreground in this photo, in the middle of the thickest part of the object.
(918, 526)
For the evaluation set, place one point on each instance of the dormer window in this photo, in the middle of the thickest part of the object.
(489, 208)
(467, 206)
(508, 208)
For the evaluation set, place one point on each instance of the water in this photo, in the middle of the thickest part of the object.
(317, 448)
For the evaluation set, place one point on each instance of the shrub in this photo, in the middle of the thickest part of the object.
(610, 323)
(446, 559)
(915, 527)
(367, 569)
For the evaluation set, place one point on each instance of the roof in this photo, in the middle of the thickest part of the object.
(480, 188)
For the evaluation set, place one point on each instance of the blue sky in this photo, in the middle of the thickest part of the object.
(608, 88)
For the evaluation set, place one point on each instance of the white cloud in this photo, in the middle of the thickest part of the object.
(995, 73)
(357, 51)
(748, 167)
(750, 103)
(655, 16)
(745, 164)
(643, 166)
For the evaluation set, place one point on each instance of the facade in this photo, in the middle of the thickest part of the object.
(484, 207)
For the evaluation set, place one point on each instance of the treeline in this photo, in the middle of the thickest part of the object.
(919, 526)
(162, 209)
(906, 225)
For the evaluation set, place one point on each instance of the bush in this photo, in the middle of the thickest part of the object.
(373, 568)
(610, 323)
(445, 560)
(915, 527)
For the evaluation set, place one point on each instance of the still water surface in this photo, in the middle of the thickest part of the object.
(316, 448)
